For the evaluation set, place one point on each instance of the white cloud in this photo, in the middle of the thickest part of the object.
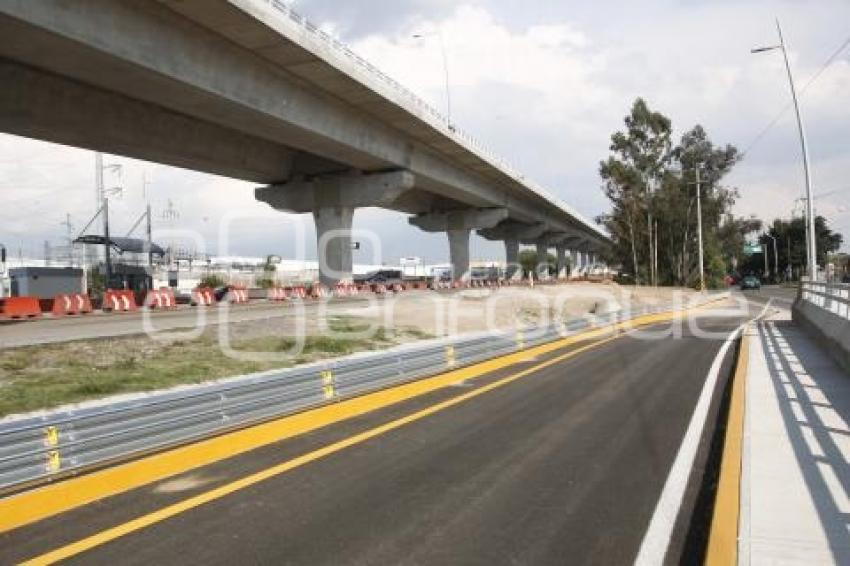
(545, 85)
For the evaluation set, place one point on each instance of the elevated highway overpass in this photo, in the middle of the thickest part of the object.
(249, 89)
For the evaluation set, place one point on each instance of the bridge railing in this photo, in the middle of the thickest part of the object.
(832, 297)
(435, 117)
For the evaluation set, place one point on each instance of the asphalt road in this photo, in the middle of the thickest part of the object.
(565, 465)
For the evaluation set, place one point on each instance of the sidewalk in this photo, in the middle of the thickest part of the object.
(796, 477)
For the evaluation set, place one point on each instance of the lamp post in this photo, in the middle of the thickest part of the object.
(811, 250)
(439, 35)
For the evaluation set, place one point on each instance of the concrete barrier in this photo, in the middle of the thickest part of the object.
(822, 314)
(20, 308)
(203, 297)
(237, 296)
(119, 300)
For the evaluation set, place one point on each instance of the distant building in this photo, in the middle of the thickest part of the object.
(45, 282)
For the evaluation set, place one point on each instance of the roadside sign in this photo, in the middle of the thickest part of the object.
(750, 249)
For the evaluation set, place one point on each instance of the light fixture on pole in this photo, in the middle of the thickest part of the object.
(811, 247)
(439, 35)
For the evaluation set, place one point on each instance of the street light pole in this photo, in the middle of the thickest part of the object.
(439, 35)
(811, 248)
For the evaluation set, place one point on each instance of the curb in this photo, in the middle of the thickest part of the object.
(723, 535)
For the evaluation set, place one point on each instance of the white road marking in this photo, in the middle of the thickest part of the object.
(657, 536)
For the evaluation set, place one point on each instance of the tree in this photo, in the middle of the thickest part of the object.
(791, 247)
(528, 262)
(638, 161)
(643, 158)
(211, 281)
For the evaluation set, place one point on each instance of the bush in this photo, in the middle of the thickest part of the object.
(266, 283)
(211, 281)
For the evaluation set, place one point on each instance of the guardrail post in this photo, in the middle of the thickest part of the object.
(53, 457)
(450, 356)
(328, 384)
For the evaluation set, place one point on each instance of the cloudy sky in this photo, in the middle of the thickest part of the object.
(544, 84)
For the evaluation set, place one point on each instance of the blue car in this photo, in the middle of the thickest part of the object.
(750, 282)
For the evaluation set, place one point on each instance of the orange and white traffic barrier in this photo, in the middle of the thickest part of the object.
(296, 292)
(20, 308)
(162, 298)
(83, 303)
(345, 290)
(276, 294)
(63, 305)
(203, 297)
(237, 296)
(318, 291)
(380, 289)
(66, 304)
(119, 300)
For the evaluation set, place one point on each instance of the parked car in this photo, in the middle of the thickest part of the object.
(384, 276)
(750, 282)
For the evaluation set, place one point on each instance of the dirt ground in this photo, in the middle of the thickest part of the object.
(46, 376)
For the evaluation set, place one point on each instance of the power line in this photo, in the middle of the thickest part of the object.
(782, 112)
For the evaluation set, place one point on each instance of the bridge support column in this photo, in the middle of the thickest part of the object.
(459, 253)
(512, 267)
(333, 236)
(561, 252)
(542, 266)
(332, 201)
(575, 263)
(457, 224)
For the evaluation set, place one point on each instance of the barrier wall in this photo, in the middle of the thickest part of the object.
(119, 300)
(71, 304)
(823, 311)
(203, 297)
(19, 308)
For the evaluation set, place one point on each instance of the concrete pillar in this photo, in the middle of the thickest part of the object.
(512, 258)
(458, 224)
(332, 201)
(542, 266)
(574, 263)
(333, 235)
(459, 253)
(561, 252)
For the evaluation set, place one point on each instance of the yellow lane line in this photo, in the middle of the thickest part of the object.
(723, 536)
(144, 521)
(59, 497)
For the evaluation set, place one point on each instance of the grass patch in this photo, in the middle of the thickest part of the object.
(41, 377)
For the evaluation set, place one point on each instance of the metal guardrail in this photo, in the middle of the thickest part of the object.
(431, 114)
(48, 446)
(833, 297)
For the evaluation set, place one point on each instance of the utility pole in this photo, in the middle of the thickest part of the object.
(699, 232)
(655, 251)
(150, 238)
(764, 253)
(107, 242)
